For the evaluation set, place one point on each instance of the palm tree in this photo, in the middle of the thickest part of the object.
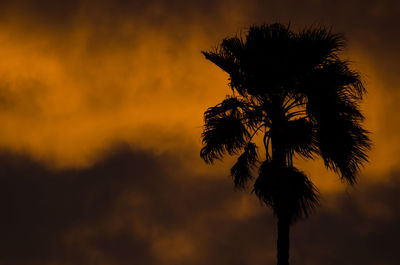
(294, 95)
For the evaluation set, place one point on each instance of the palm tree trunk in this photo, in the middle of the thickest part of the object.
(283, 241)
(279, 157)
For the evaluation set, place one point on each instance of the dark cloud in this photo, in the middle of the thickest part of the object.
(40, 208)
(137, 207)
(65, 216)
(65, 14)
(372, 23)
(361, 229)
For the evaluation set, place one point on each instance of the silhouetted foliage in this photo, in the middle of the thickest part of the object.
(293, 90)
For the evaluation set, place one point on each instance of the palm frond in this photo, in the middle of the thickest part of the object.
(314, 46)
(230, 64)
(266, 64)
(222, 60)
(333, 94)
(299, 136)
(332, 79)
(343, 145)
(234, 47)
(223, 133)
(229, 104)
(254, 116)
(286, 190)
(241, 170)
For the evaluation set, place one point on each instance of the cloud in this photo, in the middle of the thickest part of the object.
(49, 216)
(132, 206)
(77, 76)
(135, 206)
(360, 227)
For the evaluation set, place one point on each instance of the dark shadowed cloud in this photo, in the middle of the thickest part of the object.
(361, 228)
(135, 207)
(131, 207)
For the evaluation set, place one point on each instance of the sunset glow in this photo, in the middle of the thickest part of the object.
(101, 106)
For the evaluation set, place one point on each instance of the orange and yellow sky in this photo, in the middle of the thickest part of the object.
(101, 106)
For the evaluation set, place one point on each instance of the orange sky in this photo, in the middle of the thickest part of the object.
(72, 90)
(80, 77)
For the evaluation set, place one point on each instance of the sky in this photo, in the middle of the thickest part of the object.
(101, 106)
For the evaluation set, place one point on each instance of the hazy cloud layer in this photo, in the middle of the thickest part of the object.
(76, 76)
(134, 207)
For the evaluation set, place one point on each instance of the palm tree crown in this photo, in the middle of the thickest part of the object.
(291, 89)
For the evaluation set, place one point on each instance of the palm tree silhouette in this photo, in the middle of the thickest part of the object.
(291, 90)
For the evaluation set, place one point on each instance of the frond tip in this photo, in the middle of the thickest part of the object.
(241, 170)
